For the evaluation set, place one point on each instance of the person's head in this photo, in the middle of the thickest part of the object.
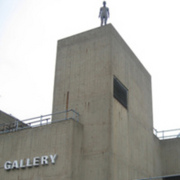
(104, 3)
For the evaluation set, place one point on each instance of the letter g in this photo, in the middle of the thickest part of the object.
(7, 165)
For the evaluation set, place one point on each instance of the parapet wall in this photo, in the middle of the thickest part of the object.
(30, 152)
(171, 156)
(6, 118)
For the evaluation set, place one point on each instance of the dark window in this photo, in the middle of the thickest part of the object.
(120, 92)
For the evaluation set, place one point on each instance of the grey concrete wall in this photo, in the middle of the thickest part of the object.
(83, 69)
(117, 143)
(6, 118)
(132, 128)
(171, 156)
(63, 138)
(110, 142)
(8, 122)
(157, 158)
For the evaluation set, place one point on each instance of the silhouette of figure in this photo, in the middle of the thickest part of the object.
(104, 14)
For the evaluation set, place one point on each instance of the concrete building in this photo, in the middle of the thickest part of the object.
(105, 130)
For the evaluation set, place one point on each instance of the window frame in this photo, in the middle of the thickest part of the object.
(120, 92)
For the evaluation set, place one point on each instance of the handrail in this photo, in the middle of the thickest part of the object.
(167, 134)
(39, 121)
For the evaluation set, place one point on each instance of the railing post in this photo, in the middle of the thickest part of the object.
(41, 120)
(74, 115)
(17, 124)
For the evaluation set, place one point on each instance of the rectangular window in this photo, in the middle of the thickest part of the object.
(120, 92)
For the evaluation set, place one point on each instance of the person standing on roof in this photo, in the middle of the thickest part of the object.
(104, 14)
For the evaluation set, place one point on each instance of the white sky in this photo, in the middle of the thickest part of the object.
(29, 30)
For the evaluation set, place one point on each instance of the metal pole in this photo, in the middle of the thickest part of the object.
(41, 120)
(17, 125)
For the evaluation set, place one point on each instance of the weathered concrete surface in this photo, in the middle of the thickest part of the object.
(83, 70)
(8, 122)
(63, 138)
(132, 140)
(6, 118)
(157, 158)
(171, 156)
(110, 142)
(118, 143)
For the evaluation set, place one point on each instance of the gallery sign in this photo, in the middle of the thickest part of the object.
(28, 163)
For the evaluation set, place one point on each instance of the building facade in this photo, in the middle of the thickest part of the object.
(111, 135)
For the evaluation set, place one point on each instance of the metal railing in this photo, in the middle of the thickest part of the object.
(167, 134)
(39, 121)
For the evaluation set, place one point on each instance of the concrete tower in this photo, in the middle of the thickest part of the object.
(98, 76)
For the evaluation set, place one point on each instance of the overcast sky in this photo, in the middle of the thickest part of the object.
(29, 30)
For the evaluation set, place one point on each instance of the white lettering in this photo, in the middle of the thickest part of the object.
(36, 161)
(22, 165)
(28, 163)
(7, 165)
(15, 165)
(53, 158)
(44, 160)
